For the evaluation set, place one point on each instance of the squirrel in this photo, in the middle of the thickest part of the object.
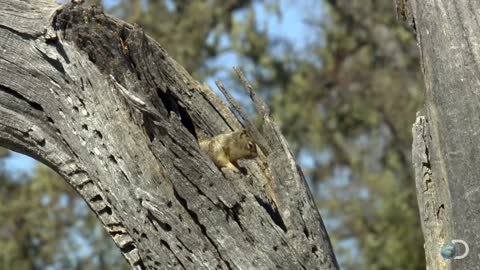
(226, 149)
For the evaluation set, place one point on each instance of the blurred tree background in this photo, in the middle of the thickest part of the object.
(345, 87)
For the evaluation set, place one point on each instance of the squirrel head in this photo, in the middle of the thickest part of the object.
(247, 148)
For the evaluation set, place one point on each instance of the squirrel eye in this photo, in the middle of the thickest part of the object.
(250, 145)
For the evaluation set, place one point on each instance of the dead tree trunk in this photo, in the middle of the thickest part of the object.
(446, 146)
(108, 109)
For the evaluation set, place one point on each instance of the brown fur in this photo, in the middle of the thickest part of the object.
(226, 149)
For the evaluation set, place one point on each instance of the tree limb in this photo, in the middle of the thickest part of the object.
(105, 106)
(446, 142)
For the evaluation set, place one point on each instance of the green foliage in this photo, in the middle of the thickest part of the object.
(346, 108)
(44, 223)
(3, 152)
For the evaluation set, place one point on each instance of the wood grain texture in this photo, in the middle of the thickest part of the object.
(447, 165)
(107, 108)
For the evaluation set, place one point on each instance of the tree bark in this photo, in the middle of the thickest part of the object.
(446, 143)
(105, 106)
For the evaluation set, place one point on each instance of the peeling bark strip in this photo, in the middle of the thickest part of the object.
(447, 165)
(431, 210)
(107, 108)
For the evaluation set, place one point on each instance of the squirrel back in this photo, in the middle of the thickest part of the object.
(227, 148)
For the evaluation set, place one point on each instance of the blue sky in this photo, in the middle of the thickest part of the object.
(17, 164)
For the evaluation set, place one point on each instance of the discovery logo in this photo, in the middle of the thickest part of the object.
(449, 252)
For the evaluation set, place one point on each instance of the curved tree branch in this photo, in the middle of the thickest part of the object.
(106, 107)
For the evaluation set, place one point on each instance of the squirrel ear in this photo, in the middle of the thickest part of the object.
(244, 133)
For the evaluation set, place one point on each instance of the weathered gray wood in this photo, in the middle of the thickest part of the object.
(108, 109)
(446, 149)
